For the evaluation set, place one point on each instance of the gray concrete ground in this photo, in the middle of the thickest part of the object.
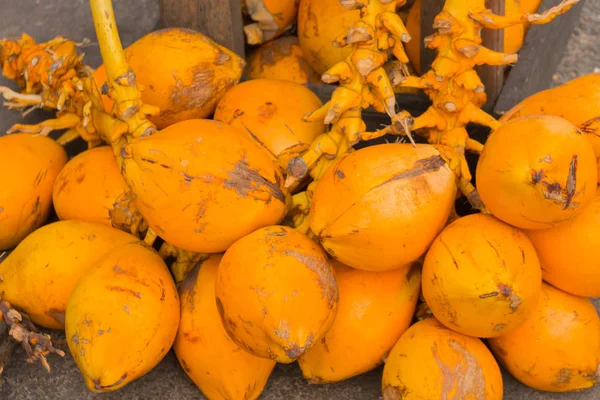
(44, 19)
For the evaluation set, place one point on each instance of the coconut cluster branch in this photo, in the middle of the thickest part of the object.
(37, 345)
(453, 85)
(363, 83)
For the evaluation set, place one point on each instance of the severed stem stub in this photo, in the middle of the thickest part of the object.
(37, 345)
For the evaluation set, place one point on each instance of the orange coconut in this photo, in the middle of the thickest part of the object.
(577, 101)
(88, 186)
(40, 274)
(122, 317)
(558, 348)
(29, 165)
(431, 361)
(282, 59)
(320, 23)
(202, 184)
(270, 112)
(568, 251)
(272, 18)
(380, 207)
(183, 72)
(546, 179)
(481, 277)
(277, 293)
(218, 366)
(374, 310)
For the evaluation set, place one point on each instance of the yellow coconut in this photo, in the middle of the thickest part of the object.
(40, 274)
(88, 187)
(380, 207)
(568, 252)
(202, 184)
(558, 348)
(374, 310)
(282, 59)
(183, 72)
(431, 361)
(219, 367)
(277, 293)
(545, 180)
(481, 277)
(320, 22)
(270, 111)
(29, 165)
(122, 317)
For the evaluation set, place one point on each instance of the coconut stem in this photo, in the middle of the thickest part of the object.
(36, 344)
(120, 77)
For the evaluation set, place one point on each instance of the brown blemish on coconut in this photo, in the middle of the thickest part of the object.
(190, 338)
(195, 95)
(188, 287)
(295, 351)
(324, 343)
(449, 251)
(226, 321)
(57, 315)
(464, 379)
(245, 181)
(98, 386)
(563, 376)
(40, 177)
(395, 392)
(588, 126)
(253, 136)
(36, 206)
(185, 366)
(124, 290)
(554, 190)
(571, 183)
(277, 232)
(488, 295)
(537, 176)
(507, 291)
(222, 58)
(421, 167)
(267, 110)
(119, 270)
(322, 268)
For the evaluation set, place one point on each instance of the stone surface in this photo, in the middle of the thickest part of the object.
(582, 56)
(44, 19)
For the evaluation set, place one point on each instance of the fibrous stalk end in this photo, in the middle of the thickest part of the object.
(37, 345)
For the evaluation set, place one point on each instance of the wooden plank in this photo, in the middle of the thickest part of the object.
(221, 20)
(429, 9)
(493, 76)
(539, 57)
